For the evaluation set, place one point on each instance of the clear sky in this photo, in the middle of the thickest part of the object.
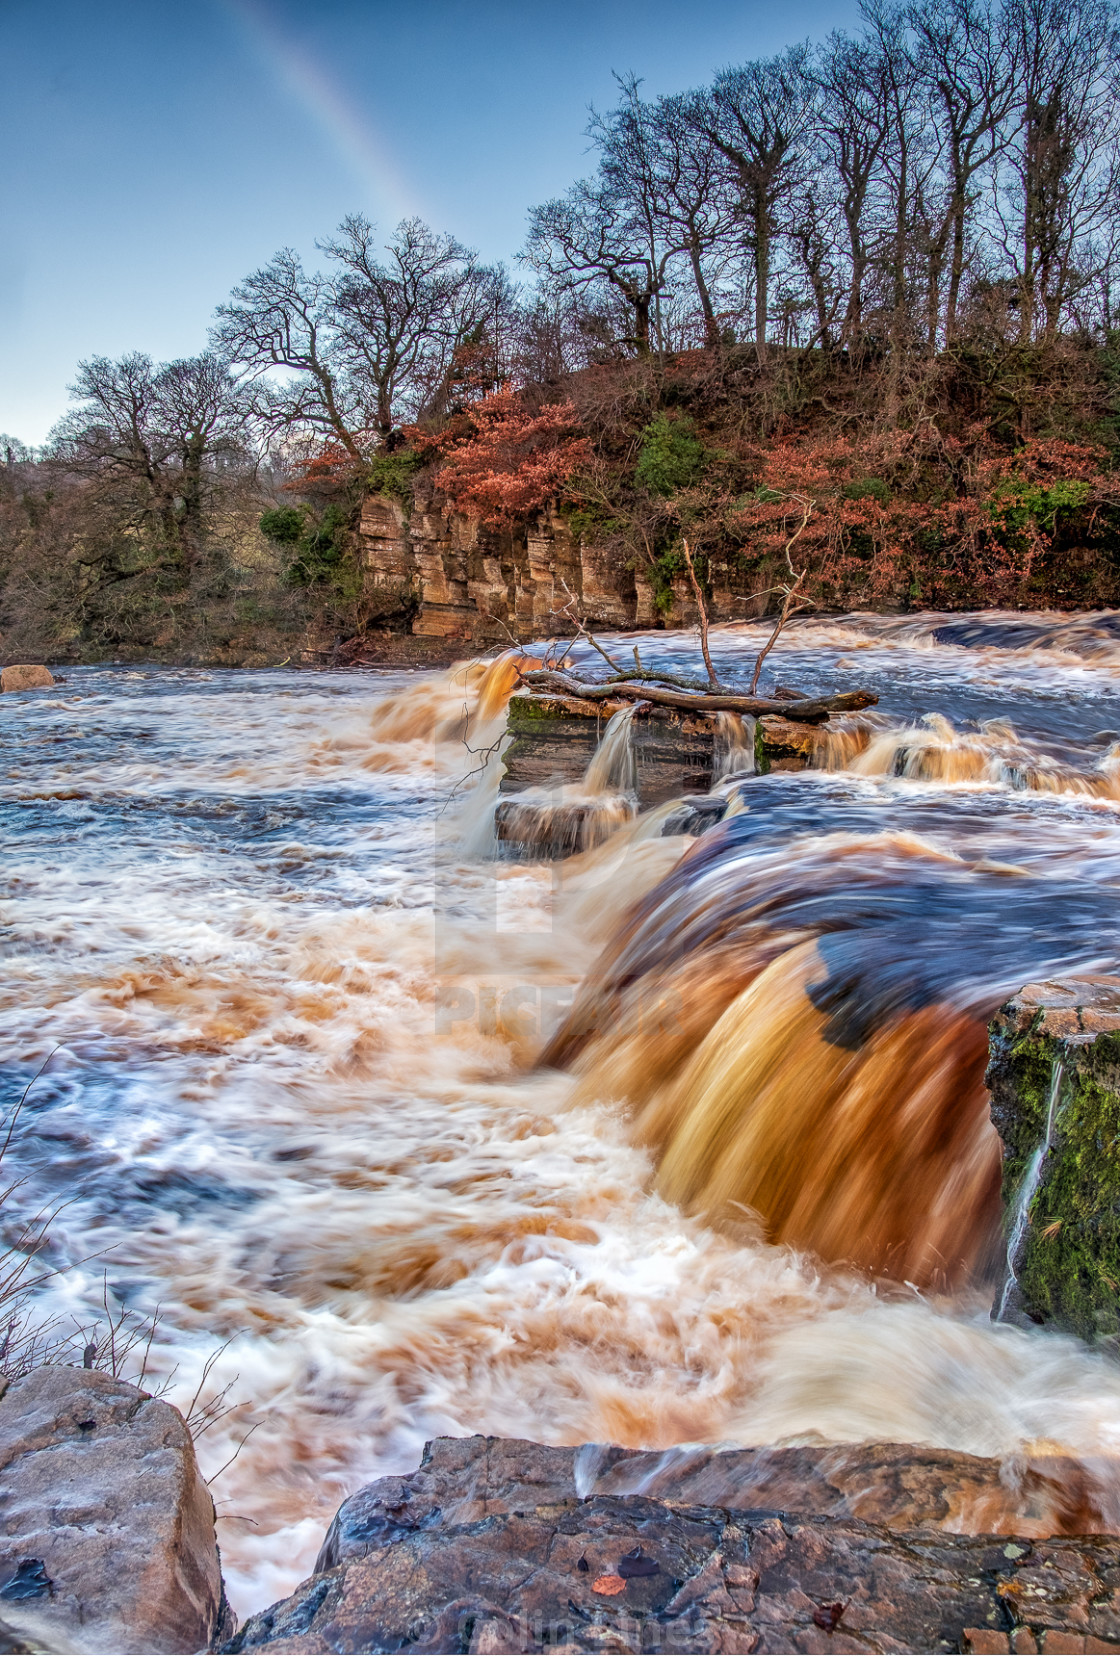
(154, 153)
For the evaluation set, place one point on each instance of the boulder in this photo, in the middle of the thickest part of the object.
(1054, 1078)
(106, 1525)
(629, 1573)
(26, 678)
(784, 744)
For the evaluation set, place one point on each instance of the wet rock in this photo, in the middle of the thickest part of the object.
(26, 678)
(783, 744)
(552, 829)
(902, 1486)
(106, 1526)
(1054, 1077)
(553, 739)
(695, 813)
(635, 1574)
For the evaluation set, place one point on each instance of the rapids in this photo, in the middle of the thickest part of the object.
(309, 1089)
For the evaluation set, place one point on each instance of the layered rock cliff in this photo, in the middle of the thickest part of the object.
(488, 586)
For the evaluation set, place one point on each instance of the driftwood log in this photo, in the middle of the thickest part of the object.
(806, 709)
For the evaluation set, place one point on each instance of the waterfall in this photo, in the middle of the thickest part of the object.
(733, 748)
(614, 768)
(1031, 1181)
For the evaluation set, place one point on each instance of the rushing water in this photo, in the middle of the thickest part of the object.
(295, 1098)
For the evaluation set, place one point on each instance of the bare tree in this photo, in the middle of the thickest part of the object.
(166, 432)
(399, 320)
(654, 157)
(281, 317)
(1059, 190)
(759, 117)
(592, 238)
(852, 125)
(966, 62)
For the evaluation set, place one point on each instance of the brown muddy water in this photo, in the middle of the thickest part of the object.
(680, 1141)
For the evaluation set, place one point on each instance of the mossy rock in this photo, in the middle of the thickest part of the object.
(1054, 1077)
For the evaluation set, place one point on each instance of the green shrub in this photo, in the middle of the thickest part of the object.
(393, 474)
(1017, 503)
(284, 525)
(671, 456)
(867, 488)
(316, 549)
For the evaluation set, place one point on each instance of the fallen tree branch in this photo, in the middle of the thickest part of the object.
(803, 710)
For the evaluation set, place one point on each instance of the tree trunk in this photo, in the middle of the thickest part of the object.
(761, 277)
(711, 326)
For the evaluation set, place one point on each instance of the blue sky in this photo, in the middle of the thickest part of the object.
(154, 153)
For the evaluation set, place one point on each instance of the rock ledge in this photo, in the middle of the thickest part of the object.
(504, 1546)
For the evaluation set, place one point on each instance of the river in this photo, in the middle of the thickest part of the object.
(290, 1016)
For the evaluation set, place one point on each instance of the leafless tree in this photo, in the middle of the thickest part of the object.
(398, 320)
(759, 117)
(592, 238)
(1059, 190)
(966, 62)
(653, 156)
(282, 317)
(165, 432)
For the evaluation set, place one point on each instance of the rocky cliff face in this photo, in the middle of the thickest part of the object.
(487, 586)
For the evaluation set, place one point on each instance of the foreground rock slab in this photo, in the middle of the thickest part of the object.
(26, 678)
(106, 1525)
(900, 1485)
(496, 1545)
(631, 1574)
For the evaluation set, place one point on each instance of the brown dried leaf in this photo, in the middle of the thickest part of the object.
(608, 1585)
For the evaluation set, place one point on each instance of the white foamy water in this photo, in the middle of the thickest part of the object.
(292, 1106)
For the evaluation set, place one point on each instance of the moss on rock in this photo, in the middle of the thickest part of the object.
(1055, 1083)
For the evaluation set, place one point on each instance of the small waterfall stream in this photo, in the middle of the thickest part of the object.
(613, 769)
(1032, 1177)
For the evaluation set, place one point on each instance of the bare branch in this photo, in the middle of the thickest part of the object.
(702, 608)
(807, 709)
(794, 598)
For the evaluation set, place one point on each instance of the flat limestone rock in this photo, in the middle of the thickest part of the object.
(628, 1574)
(901, 1486)
(106, 1525)
(26, 678)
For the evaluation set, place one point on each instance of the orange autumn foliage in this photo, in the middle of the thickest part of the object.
(502, 462)
(889, 510)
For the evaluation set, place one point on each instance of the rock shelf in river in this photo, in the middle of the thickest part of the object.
(674, 750)
(496, 1545)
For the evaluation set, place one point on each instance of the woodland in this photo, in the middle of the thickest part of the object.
(866, 291)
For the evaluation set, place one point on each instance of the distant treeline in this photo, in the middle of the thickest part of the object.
(908, 235)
